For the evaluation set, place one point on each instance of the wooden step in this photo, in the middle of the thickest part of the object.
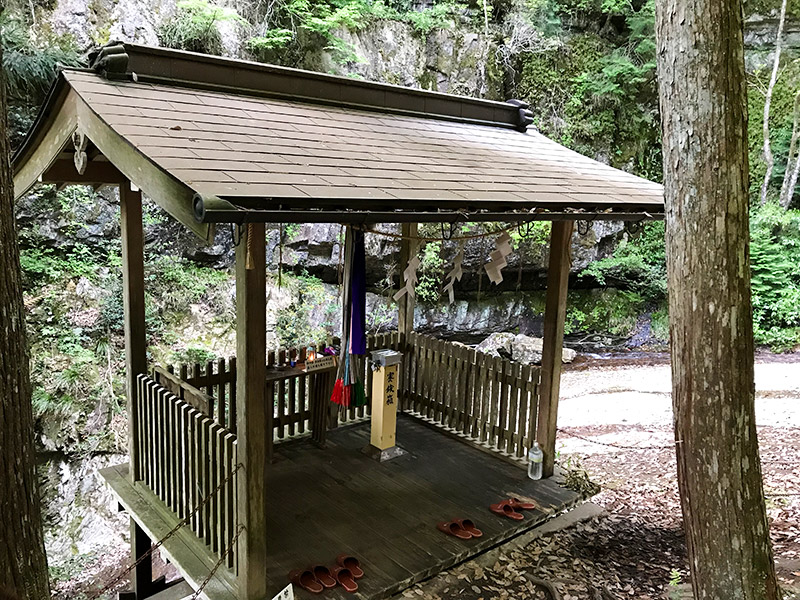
(178, 591)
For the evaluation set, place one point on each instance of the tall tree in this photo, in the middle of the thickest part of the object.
(23, 566)
(769, 159)
(704, 119)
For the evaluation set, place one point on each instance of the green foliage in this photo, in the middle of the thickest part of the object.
(31, 62)
(438, 16)
(177, 283)
(674, 582)
(271, 40)
(324, 19)
(293, 324)
(598, 95)
(603, 311)
(772, 8)
(659, 323)
(775, 263)
(430, 273)
(638, 263)
(781, 119)
(193, 355)
(41, 265)
(194, 26)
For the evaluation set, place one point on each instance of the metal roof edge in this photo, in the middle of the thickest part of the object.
(188, 69)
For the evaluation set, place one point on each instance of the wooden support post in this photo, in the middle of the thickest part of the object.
(133, 303)
(254, 435)
(555, 313)
(142, 578)
(405, 306)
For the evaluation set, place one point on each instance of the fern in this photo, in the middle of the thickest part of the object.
(30, 66)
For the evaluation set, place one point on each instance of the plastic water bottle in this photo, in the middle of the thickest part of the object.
(535, 458)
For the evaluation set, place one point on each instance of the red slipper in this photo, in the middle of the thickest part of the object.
(516, 504)
(306, 580)
(506, 510)
(323, 575)
(345, 578)
(468, 526)
(352, 563)
(454, 529)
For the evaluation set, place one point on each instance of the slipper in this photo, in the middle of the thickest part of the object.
(516, 504)
(323, 575)
(506, 510)
(345, 578)
(306, 580)
(454, 529)
(468, 526)
(351, 563)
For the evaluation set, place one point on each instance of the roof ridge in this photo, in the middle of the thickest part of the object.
(122, 60)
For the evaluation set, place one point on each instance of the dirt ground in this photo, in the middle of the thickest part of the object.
(616, 423)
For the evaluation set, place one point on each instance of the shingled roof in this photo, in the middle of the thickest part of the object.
(218, 140)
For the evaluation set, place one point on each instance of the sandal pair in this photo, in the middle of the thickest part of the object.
(463, 529)
(318, 578)
(510, 508)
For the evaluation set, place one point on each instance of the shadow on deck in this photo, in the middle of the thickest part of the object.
(323, 502)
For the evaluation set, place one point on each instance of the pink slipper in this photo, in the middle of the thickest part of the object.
(468, 526)
(517, 504)
(323, 575)
(352, 563)
(455, 529)
(506, 510)
(306, 580)
(345, 578)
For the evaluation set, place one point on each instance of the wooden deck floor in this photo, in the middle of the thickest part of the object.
(324, 502)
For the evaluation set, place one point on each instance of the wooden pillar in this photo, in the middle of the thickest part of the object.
(133, 303)
(405, 306)
(135, 357)
(251, 415)
(555, 313)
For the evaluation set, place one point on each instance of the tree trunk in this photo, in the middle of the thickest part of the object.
(704, 120)
(769, 159)
(792, 159)
(23, 566)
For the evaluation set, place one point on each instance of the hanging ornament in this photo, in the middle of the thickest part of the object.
(349, 389)
(409, 276)
(497, 259)
(456, 273)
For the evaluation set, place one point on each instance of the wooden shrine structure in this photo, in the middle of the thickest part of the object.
(219, 141)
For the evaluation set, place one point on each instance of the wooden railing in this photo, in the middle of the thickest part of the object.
(291, 395)
(187, 459)
(491, 401)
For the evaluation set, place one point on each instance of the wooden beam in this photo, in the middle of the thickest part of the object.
(405, 306)
(555, 313)
(251, 415)
(97, 172)
(45, 151)
(133, 304)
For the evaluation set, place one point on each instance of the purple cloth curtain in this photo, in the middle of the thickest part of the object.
(358, 296)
